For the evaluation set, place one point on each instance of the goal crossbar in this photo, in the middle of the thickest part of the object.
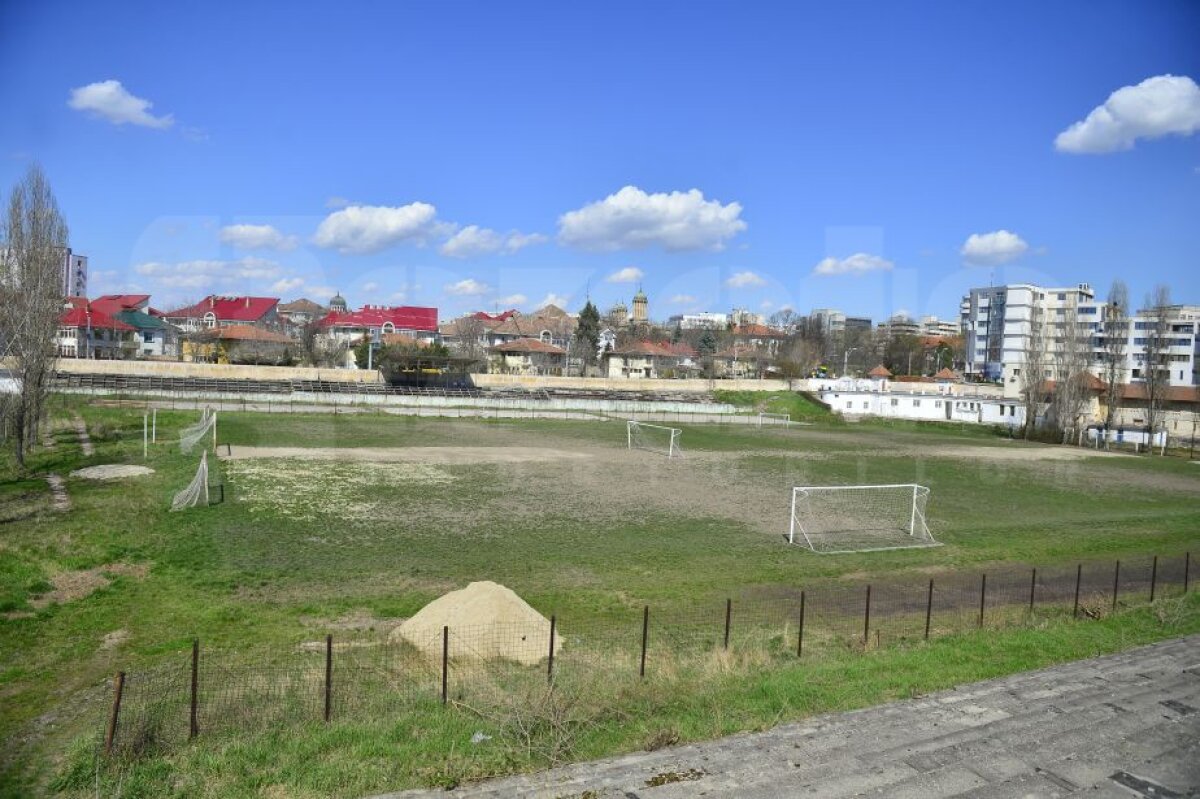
(860, 518)
(636, 438)
(775, 418)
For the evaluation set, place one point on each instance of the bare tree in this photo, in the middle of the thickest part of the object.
(1114, 338)
(1157, 364)
(1033, 370)
(1071, 356)
(318, 349)
(34, 238)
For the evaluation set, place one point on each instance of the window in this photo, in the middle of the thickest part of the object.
(937, 403)
(916, 403)
(895, 402)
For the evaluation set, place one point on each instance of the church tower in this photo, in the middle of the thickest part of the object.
(641, 311)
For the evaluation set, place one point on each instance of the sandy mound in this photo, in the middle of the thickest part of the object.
(486, 621)
(112, 471)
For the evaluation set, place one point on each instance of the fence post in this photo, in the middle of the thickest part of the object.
(928, 610)
(728, 616)
(193, 726)
(1079, 577)
(1116, 585)
(982, 597)
(1032, 589)
(111, 732)
(1187, 562)
(800, 637)
(328, 674)
(645, 636)
(867, 618)
(550, 662)
(1153, 578)
(445, 658)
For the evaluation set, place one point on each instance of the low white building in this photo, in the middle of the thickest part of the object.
(920, 406)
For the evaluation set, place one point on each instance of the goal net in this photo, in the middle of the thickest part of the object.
(196, 492)
(653, 437)
(193, 434)
(834, 519)
(767, 419)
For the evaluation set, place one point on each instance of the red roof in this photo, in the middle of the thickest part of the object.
(243, 333)
(402, 317)
(879, 371)
(656, 349)
(528, 345)
(81, 313)
(946, 373)
(228, 309)
(114, 303)
(758, 331)
(503, 316)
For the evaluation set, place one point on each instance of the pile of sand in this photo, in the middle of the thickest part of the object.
(112, 471)
(486, 621)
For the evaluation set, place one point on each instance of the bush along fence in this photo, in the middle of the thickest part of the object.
(200, 693)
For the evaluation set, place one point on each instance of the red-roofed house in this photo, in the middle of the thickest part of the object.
(153, 336)
(527, 356)
(350, 327)
(239, 344)
(86, 331)
(759, 337)
(216, 311)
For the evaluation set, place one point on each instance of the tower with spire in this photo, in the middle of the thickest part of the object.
(641, 309)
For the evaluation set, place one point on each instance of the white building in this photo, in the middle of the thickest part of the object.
(932, 326)
(997, 323)
(704, 320)
(917, 406)
(74, 274)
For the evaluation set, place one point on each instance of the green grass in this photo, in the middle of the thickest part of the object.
(800, 407)
(430, 745)
(591, 540)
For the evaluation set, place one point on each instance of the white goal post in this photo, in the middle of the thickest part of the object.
(190, 436)
(860, 518)
(653, 437)
(190, 496)
(774, 418)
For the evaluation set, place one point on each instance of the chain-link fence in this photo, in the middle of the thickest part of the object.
(196, 691)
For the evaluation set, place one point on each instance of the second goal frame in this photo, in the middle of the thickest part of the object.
(859, 518)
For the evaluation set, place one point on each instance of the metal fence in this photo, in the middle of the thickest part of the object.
(353, 674)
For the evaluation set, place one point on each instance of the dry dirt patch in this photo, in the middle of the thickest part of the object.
(112, 471)
(72, 585)
(1014, 453)
(444, 456)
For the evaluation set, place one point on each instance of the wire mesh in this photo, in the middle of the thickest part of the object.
(492, 668)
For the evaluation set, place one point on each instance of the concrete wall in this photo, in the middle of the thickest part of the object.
(214, 371)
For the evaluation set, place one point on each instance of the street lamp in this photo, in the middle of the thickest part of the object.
(846, 359)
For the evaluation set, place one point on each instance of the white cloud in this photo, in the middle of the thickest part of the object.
(474, 240)
(256, 237)
(682, 299)
(287, 284)
(1158, 106)
(336, 202)
(741, 280)
(365, 229)
(512, 300)
(468, 287)
(992, 249)
(858, 264)
(633, 219)
(205, 273)
(630, 274)
(110, 100)
(554, 299)
(371, 286)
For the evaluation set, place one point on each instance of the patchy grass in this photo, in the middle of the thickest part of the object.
(299, 542)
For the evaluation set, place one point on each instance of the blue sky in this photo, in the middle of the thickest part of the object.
(476, 155)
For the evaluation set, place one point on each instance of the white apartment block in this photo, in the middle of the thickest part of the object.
(74, 274)
(704, 320)
(997, 323)
(932, 326)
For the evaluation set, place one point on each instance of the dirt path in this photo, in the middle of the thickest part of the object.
(85, 441)
(61, 500)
